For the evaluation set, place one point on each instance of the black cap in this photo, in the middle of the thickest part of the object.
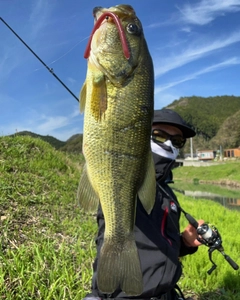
(168, 116)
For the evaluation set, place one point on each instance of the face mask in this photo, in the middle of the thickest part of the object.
(165, 149)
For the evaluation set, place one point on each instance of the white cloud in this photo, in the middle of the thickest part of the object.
(14, 53)
(71, 80)
(224, 64)
(198, 13)
(50, 123)
(162, 99)
(160, 24)
(206, 11)
(194, 52)
(9, 61)
(75, 113)
(59, 126)
(39, 16)
(186, 29)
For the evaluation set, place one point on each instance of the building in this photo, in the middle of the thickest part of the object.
(206, 154)
(234, 152)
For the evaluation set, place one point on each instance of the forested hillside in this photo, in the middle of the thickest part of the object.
(206, 115)
(216, 121)
(229, 133)
(73, 144)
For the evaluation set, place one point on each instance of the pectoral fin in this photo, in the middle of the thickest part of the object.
(82, 97)
(86, 195)
(99, 96)
(147, 192)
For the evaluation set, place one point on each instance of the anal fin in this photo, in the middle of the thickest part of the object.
(147, 191)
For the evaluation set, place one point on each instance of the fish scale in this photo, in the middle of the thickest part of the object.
(117, 100)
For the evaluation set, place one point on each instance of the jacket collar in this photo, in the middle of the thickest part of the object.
(163, 167)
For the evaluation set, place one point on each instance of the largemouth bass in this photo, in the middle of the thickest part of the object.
(117, 99)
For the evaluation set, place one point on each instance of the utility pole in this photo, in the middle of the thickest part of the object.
(221, 153)
(191, 148)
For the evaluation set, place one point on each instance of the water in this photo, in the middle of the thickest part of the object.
(228, 197)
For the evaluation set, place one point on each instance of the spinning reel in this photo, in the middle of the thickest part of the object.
(210, 236)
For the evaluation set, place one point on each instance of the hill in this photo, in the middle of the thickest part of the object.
(206, 115)
(215, 119)
(47, 138)
(73, 144)
(228, 136)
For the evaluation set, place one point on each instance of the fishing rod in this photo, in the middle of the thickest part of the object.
(49, 69)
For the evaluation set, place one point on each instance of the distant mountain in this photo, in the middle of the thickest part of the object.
(73, 144)
(73, 137)
(206, 115)
(57, 144)
(216, 121)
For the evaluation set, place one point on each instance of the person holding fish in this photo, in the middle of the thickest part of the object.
(128, 163)
(158, 238)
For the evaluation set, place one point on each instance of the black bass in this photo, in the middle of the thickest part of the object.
(117, 100)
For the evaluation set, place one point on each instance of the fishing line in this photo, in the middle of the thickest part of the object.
(49, 69)
(66, 52)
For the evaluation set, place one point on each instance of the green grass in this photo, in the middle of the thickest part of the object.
(47, 243)
(228, 172)
(224, 282)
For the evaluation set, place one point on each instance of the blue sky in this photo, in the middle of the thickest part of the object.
(195, 46)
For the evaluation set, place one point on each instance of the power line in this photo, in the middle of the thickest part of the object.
(49, 69)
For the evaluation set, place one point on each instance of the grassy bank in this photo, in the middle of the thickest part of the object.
(226, 173)
(47, 242)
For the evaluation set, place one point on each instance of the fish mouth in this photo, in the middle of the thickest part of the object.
(100, 15)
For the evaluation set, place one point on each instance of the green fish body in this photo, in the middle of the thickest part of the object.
(117, 99)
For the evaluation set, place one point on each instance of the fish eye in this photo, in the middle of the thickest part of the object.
(133, 29)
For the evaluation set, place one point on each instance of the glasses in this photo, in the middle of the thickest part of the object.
(161, 136)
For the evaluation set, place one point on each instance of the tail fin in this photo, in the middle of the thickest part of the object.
(119, 266)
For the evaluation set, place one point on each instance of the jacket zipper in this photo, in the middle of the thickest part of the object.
(163, 225)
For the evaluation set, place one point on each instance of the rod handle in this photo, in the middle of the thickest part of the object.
(231, 262)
